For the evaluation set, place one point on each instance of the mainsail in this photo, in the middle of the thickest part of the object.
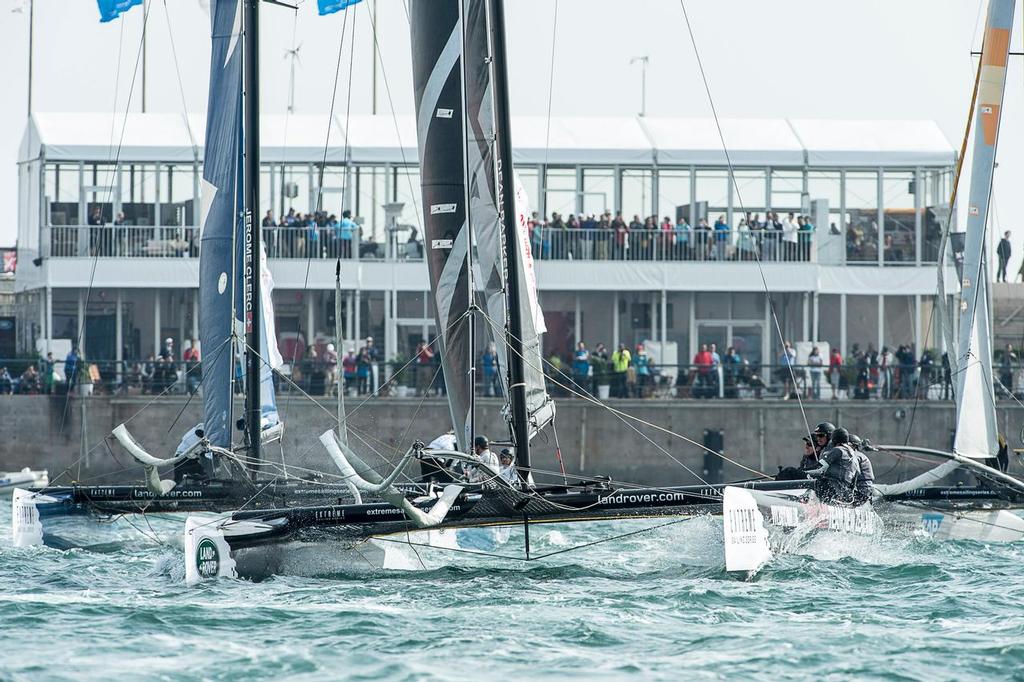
(487, 228)
(976, 434)
(436, 51)
(220, 271)
(221, 189)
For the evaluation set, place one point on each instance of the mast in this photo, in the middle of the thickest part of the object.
(510, 243)
(470, 283)
(976, 428)
(251, 248)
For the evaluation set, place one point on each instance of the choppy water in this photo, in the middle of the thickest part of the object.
(651, 606)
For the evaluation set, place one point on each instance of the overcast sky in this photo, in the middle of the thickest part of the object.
(869, 59)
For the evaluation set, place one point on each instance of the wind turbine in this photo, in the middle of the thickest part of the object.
(293, 54)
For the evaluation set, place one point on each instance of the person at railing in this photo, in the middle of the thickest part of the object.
(28, 384)
(666, 246)
(48, 372)
(772, 231)
(346, 232)
(269, 234)
(746, 243)
(71, 367)
(489, 361)
(602, 249)
(559, 234)
(148, 373)
(620, 363)
(620, 244)
(700, 374)
(732, 370)
(350, 367)
(644, 371)
(6, 382)
(721, 238)
(926, 365)
(363, 364)
(581, 368)
(787, 372)
(681, 250)
(193, 369)
(424, 368)
(806, 229)
(600, 366)
(790, 238)
(814, 367)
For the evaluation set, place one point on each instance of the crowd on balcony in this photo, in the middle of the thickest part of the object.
(611, 237)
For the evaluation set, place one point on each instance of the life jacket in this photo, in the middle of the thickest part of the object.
(843, 466)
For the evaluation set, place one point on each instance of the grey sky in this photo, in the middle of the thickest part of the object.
(870, 59)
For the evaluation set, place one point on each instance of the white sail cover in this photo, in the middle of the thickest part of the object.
(976, 434)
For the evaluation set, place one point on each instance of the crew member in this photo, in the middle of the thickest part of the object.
(807, 462)
(439, 469)
(864, 485)
(508, 471)
(821, 435)
(482, 450)
(837, 470)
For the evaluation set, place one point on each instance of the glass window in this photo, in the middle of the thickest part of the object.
(177, 197)
(862, 216)
(636, 192)
(787, 191)
(62, 190)
(560, 191)
(898, 190)
(713, 306)
(827, 186)
(673, 192)
(713, 187)
(599, 190)
(747, 306)
(749, 192)
(934, 202)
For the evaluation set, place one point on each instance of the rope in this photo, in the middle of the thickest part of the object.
(739, 197)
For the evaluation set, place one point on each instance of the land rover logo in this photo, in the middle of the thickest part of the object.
(207, 558)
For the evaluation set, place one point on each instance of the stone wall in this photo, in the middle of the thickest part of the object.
(59, 435)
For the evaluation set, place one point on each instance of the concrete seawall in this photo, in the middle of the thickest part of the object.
(49, 432)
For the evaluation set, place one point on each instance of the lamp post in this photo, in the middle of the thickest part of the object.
(644, 61)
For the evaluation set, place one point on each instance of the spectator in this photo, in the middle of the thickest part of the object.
(667, 240)
(787, 358)
(6, 382)
(790, 237)
(1003, 251)
(814, 365)
(747, 246)
(642, 363)
(29, 383)
(682, 250)
(71, 368)
(350, 368)
(581, 368)
(701, 378)
(599, 363)
(149, 373)
(947, 378)
(1007, 367)
(620, 363)
(721, 238)
(424, 367)
(363, 371)
(331, 366)
(885, 374)
(732, 367)
(492, 383)
(926, 364)
(374, 354)
(193, 369)
(346, 233)
(47, 367)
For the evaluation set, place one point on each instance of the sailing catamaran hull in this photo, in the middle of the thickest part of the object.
(759, 524)
(97, 517)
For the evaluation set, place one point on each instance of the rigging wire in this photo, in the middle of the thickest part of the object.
(732, 179)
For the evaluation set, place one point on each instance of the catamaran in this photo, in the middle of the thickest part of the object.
(756, 522)
(210, 471)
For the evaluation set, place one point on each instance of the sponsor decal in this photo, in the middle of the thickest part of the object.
(787, 517)
(986, 109)
(445, 113)
(207, 558)
(743, 525)
(441, 243)
(222, 283)
(972, 210)
(436, 209)
(859, 520)
(249, 270)
(931, 522)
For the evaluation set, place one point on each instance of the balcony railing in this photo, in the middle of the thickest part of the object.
(124, 241)
(663, 245)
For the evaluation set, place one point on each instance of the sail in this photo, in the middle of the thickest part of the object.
(220, 192)
(487, 228)
(436, 50)
(269, 351)
(976, 434)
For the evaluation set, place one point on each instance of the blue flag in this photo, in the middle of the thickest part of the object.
(112, 9)
(332, 6)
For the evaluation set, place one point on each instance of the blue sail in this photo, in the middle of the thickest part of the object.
(220, 196)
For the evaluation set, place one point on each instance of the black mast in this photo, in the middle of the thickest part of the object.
(510, 240)
(252, 248)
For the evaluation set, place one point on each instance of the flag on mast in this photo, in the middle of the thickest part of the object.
(112, 9)
(332, 6)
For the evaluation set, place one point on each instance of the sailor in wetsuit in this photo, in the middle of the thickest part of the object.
(837, 472)
(814, 445)
(864, 486)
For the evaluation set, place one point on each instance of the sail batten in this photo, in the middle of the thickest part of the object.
(976, 430)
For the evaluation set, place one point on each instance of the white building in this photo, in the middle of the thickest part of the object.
(135, 283)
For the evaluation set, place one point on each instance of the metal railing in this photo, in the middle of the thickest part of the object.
(550, 243)
(123, 241)
(398, 379)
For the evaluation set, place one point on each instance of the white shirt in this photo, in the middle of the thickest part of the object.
(509, 474)
(479, 475)
(445, 441)
(789, 230)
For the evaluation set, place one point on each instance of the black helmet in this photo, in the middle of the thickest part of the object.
(840, 436)
(824, 429)
(856, 441)
(481, 442)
